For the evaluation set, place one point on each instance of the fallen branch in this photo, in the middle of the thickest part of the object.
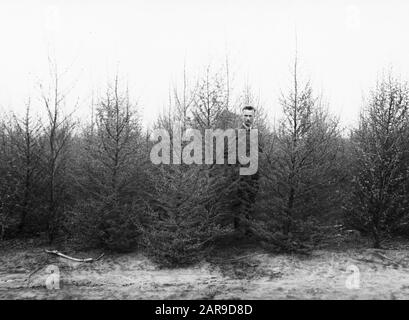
(73, 259)
(376, 253)
(244, 257)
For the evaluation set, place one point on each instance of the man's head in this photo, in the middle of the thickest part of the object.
(248, 113)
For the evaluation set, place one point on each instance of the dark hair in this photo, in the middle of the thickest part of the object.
(248, 107)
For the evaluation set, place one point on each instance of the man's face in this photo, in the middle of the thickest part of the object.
(248, 117)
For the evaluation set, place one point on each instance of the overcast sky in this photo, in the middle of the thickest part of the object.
(343, 46)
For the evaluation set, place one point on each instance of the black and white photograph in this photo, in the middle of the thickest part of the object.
(213, 151)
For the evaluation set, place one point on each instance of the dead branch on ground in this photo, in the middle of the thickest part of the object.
(73, 259)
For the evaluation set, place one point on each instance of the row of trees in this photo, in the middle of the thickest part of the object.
(94, 183)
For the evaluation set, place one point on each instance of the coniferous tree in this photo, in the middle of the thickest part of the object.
(112, 173)
(299, 168)
(379, 200)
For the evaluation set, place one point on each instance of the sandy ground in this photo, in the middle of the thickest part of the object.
(324, 274)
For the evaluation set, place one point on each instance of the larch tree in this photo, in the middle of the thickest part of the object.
(9, 183)
(55, 141)
(113, 171)
(25, 134)
(300, 158)
(379, 200)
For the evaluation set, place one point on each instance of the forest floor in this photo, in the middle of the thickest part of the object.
(238, 274)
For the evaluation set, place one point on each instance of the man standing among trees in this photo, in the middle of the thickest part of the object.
(247, 185)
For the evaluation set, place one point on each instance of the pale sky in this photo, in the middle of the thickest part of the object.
(343, 47)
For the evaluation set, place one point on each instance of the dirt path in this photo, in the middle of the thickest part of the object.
(321, 276)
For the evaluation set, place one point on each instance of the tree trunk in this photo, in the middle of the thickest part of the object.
(290, 205)
(375, 232)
